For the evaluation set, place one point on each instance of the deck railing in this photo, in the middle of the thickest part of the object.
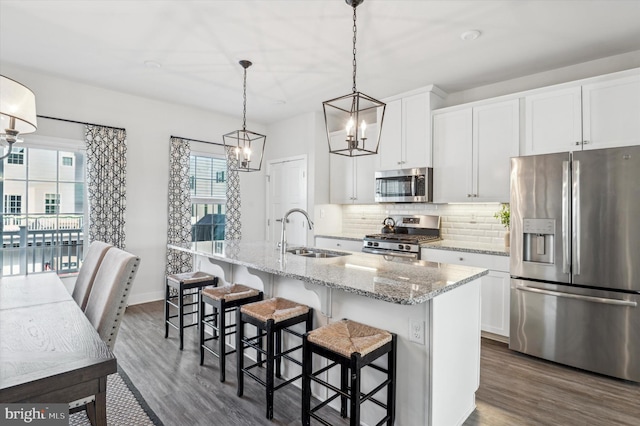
(39, 243)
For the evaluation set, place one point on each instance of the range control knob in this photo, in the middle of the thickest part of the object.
(400, 246)
(369, 243)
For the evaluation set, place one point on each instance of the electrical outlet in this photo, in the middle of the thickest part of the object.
(473, 218)
(416, 331)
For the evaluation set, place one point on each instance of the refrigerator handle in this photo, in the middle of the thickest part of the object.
(575, 210)
(566, 260)
(606, 301)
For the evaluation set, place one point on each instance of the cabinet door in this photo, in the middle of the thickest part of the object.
(496, 135)
(341, 179)
(390, 151)
(364, 183)
(452, 157)
(416, 149)
(611, 113)
(553, 121)
(495, 305)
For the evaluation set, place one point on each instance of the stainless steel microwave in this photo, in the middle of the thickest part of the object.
(404, 185)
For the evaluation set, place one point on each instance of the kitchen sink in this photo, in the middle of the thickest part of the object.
(316, 252)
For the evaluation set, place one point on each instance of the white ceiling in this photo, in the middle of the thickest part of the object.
(301, 49)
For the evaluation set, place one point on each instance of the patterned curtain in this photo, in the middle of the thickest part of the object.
(179, 229)
(107, 183)
(232, 225)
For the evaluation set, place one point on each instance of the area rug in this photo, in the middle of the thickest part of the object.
(125, 405)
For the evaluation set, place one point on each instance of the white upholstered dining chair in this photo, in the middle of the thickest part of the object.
(88, 270)
(107, 303)
(111, 287)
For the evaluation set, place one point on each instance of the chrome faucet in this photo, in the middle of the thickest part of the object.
(283, 235)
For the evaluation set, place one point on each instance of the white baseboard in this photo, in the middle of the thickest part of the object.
(137, 299)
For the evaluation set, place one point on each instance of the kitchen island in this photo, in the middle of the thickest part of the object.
(433, 308)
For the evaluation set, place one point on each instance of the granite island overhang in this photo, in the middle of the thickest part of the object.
(433, 308)
(405, 283)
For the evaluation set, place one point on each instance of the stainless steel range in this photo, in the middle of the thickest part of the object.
(409, 233)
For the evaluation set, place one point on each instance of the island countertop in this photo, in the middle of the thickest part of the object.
(361, 273)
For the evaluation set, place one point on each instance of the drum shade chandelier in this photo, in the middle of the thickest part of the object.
(352, 112)
(248, 146)
(17, 112)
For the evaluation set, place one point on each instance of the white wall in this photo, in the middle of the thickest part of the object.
(607, 65)
(304, 135)
(149, 124)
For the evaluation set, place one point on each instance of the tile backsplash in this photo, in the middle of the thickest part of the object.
(461, 222)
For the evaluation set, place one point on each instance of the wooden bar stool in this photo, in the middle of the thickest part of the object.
(186, 284)
(352, 346)
(223, 300)
(270, 317)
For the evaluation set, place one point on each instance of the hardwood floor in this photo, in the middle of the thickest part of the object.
(515, 389)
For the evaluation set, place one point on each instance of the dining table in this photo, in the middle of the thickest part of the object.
(49, 351)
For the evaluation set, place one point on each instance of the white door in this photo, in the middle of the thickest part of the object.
(287, 189)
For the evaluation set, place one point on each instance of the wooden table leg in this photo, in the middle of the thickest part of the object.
(97, 409)
(101, 403)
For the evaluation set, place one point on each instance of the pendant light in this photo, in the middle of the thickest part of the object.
(247, 146)
(17, 112)
(352, 112)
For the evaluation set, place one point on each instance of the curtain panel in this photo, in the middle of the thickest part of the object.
(232, 227)
(179, 214)
(106, 183)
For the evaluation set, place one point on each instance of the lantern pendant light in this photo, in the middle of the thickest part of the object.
(351, 113)
(246, 145)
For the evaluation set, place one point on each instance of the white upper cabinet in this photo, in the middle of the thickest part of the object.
(553, 121)
(352, 179)
(496, 138)
(404, 141)
(472, 148)
(452, 155)
(601, 114)
(611, 113)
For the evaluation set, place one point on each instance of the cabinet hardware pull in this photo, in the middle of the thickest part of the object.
(585, 142)
(461, 259)
(578, 143)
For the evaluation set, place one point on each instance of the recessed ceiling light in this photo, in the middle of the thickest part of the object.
(152, 64)
(470, 35)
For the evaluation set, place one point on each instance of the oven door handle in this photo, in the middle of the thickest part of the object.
(391, 253)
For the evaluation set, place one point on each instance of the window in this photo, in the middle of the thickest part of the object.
(51, 203)
(208, 197)
(16, 156)
(43, 210)
(13, 204)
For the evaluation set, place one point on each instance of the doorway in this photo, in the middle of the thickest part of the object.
(287, 189)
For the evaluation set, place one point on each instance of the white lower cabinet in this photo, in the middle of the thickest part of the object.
(495, 291)
(338, 244)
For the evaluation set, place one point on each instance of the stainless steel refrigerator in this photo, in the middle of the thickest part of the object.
(575, 259)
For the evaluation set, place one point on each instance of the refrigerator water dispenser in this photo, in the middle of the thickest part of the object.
(538, 238)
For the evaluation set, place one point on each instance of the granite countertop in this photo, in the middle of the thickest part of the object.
(406, 283)
(469, 247)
